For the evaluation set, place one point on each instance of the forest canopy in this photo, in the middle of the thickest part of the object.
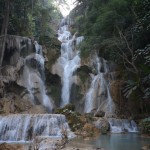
(29, 17)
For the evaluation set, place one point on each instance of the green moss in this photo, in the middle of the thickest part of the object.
(50, 42)
(145, 126)
(73, 117)
(83, 72)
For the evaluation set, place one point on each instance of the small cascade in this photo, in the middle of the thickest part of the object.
(91, 94)
(21, 128)
(34, 78)
(122, 125)
(98, 97)
(69, 60)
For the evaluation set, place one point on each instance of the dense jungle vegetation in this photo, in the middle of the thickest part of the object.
(119, 30)
(32, 18)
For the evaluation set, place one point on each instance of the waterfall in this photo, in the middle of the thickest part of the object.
(91, 94)
(98, 96)
(69, 60)
(22, 127)
(34, 78)
(122, 125)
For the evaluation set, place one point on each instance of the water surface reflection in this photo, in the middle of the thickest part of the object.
(120, 141)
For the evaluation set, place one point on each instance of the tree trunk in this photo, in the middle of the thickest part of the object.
(4, 29)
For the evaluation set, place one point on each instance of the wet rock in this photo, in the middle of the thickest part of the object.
(2, 87)
(85, 69)
(37, 109)
(103, 125)
(99, 114)
(90, 130)
(9, 74)
(5, 146)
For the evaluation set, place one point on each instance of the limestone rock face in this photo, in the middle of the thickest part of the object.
(14, 104)
(9, 74)
(23, 72)
(115, 89)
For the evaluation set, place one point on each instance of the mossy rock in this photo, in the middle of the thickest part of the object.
(83, 72)
(85, 69)
(70, 107)
(145, 125)
(73, 117)
(50, 42)
(90, 130)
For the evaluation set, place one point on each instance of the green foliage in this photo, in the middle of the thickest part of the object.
(129, 88)
(145, 125)
(73, 117)
(143, 59)
(50, 42)
(99, 21)
(31, 17)
(146, 87)
(119, 30)
(85, 49)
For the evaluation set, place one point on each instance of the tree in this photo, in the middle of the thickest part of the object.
(119, 30)
(5, 28)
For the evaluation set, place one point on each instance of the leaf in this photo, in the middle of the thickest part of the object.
(129, 88)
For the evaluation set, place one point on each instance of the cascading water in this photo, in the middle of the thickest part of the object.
(34, 76)
(31, 78)
(98, 97)
(122, 125)
(21, 128)
(69, 60)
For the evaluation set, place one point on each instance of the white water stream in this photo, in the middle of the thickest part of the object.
(34, 77)
(22, 127)
(98, 96)
(122, 125)
(69, 60)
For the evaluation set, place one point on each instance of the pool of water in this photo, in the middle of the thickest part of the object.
(119, 141)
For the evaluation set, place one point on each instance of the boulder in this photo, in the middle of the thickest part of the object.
(103, 125)
(90, 130)
(99, 114)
